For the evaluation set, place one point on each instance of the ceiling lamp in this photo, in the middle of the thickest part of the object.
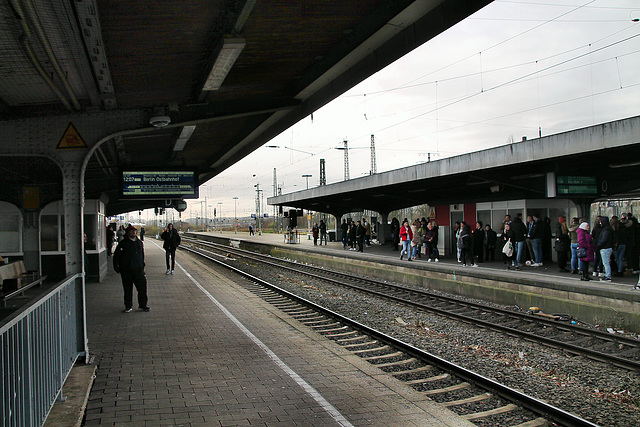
(159, 121)
(227, 56)
(185, 134)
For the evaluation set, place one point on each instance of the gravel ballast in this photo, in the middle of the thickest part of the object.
(602, 394)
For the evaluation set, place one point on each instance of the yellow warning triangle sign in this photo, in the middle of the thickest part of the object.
(71, 139)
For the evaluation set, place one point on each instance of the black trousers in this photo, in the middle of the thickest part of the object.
(171, 253)
(466, 254)
(138, 278)
(563, 258)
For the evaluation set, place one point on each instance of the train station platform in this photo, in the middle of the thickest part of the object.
(613, 304)
(209, 353)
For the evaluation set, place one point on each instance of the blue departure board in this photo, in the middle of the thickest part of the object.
(159, 184)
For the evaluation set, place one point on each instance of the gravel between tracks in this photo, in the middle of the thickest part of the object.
(599, 393)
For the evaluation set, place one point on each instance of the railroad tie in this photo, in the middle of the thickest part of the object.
(414, 371)
(384, 356)
(454, 387)
(501, 410)
(360, 344)
(369, 350)
(478, 398)
(430, 379)
(398, 363)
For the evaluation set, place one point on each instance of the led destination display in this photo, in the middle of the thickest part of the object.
(159, 184)
(577, 185)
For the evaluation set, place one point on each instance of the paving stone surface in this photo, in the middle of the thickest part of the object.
(186, 362)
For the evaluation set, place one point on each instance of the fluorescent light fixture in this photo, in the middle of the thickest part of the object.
(624, 165)
(185, 134)
(227, 56)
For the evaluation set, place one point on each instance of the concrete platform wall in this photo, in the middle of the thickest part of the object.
(611, 308)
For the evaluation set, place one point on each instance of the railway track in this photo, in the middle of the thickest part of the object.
(478, 399)
(617, 350)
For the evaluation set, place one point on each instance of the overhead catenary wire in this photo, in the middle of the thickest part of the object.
(443, 101)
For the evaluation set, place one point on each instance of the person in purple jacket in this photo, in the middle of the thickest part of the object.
(586, 241)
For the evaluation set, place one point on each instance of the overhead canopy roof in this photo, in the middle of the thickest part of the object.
(271, 64)
(608, 153)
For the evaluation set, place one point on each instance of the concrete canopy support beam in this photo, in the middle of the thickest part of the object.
(73, 201)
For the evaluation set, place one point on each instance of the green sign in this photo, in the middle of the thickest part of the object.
(576, 185)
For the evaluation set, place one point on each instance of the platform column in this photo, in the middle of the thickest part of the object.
(73, 200)
(338, 229)
(384, 231)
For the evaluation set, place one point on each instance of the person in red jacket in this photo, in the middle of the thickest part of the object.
(405, 236)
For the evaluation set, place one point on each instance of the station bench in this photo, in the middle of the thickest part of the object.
(15, 280)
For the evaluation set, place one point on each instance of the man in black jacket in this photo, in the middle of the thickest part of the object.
(536, 233)
(128, 260)
(604, 245)
(171, 242)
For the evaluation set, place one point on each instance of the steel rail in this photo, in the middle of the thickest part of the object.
(575, 349)
(539, 407)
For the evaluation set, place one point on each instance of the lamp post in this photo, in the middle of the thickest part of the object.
(307, 176)
(235, 215)
(220, 216)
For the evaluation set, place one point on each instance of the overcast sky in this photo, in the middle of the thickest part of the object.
(514, 69)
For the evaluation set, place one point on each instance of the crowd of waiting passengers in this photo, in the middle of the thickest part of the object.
(606, 248)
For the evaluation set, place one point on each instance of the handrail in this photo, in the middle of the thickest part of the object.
(22, 290)
(41, 342)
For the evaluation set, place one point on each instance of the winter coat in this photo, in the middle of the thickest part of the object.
(344, 229)
(431, 235)
(416, 240)
(478, 240)
(352, 232)
(619, 236)
(605, 238)
(506, 236)
(586, 241)
(171, 239)
(128, 256)
(519, 231)
(563, 241)
(573, 235)
(537, 230)
(464, 241)
(406, 233)
(630, 224)
(492, 237)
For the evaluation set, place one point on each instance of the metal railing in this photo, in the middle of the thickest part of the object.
(40, 345)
